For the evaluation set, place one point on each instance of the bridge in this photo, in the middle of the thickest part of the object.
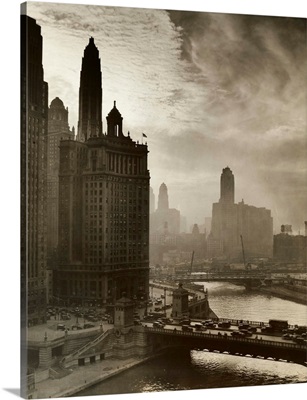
(272, 348)
(239, 277)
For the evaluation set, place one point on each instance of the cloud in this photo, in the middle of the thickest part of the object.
(208, 89)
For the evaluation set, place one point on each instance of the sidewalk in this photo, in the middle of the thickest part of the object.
(83, 377)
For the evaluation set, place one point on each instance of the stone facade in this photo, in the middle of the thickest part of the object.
(103, 207)
(34, 129)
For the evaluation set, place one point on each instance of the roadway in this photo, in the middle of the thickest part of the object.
(222, 331)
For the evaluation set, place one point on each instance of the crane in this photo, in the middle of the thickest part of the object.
(243, 251)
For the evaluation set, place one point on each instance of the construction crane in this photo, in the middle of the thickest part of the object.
(243, 251)
(192, 259)
(248, 265)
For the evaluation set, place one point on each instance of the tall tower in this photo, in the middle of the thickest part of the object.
(34, 114)
(163, 198)
(103, 204)
(227, 186)
(58, 129)
(90, 94)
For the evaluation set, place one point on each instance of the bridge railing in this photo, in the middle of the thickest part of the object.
(222, 337)
(236, 322)
(84, 348)
(221, 277)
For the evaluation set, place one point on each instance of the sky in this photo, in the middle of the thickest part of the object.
(209, 90)
(10, 161)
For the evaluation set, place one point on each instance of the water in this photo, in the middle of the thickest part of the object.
(231, 301)
(199, 369)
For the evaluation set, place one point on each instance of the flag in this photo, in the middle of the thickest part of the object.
(144, 135)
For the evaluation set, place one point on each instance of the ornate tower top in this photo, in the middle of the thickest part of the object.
(90, 94)
(58, 117)
(115, 122)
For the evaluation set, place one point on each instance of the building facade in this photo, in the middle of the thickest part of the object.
(103, 204)
(290, 248)
(165, 220)
(34, 129)
(231, 221)
(58, 129)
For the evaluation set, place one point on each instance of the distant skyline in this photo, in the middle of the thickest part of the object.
(209, 90)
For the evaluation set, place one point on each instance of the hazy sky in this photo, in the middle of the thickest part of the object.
(209, 90)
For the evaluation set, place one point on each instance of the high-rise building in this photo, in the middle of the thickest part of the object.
(34, 128)
(152, 201)
(58, 129)
(289, 247)
(163, 198)
(227, 186)
(90, 94)
(230, 221)
(103, 204)
(164, 217)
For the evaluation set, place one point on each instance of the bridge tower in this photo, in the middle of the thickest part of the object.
(128, 340)
(180, 303)
(123, 313)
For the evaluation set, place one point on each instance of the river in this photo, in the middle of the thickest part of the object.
(199, 369)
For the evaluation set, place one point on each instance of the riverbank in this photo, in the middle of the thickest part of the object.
(82, 377)
(284, 293)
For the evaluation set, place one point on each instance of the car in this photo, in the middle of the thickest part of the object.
(210, 325)
(60, 327)
(148, 317)
(246, 332)
(237, 333)
(224, 324)
(267, 329)
(299, 340)
(157, 324)
(88, 325)
(187, 328)
(243, 326)
(198, 327)
(76, 327)
(287, 336)
(185, 322)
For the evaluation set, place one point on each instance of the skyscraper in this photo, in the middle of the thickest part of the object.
(90, 94)
(227, 186)
(34, 128)
(58, 129)
(231, 220)
(165, 218)
(163, 198)
(103, 203)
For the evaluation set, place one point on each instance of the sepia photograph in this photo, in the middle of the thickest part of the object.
(163, 200)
